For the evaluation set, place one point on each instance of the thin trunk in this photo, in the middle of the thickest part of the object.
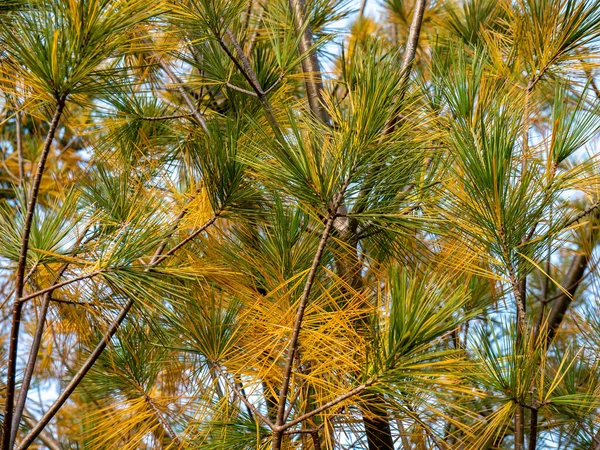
(87, 365)
(519, 421)
(533, 430)
(35, 347)
(18, 304)
(519, 428)
(377, 427)
(316, 440)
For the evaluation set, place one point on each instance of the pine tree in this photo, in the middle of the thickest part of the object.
(227, 225)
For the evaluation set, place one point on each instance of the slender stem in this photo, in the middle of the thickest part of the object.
(62, 284)
(293, 401)
(164, 422)
(246, 70)
(519, 428)
(233, 87)
(330, 404)
(18, 304)
(240, 387)
(521, 324)
(27, 375)
(363, 7)
(412, 42)
(159, 118)
(215, 380)
(12, 291)
(563, 300)
(160, 259)
(582, 214)
(293, 346)
(174, 228)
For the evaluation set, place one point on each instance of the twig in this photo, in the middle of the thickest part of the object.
(159, 118)
(212, 220)
(165, 424)
(582, 214)
(44, 436)
(363, 7)
(62, 284)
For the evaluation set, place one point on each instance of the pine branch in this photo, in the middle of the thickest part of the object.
(81, 373)
(303, 302)
(293, 345)
(357, 390)
(90, 361)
